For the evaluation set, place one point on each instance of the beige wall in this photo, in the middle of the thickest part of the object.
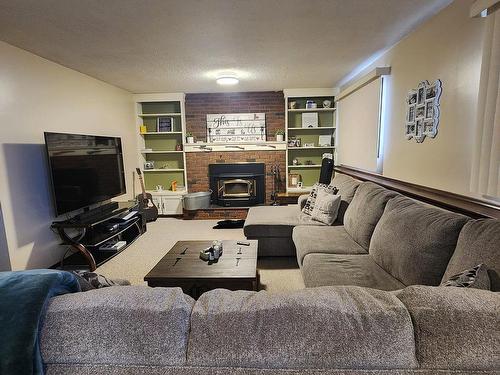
(37, 95)
(447, 47)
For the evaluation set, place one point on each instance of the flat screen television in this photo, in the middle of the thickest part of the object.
(84, 169)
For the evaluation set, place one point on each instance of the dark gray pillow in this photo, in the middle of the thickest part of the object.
(476, 277)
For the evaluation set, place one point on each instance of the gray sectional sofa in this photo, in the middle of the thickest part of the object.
(341, 330)
(381, 240)
(377, 308)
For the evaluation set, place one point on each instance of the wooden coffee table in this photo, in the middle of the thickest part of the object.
(182, 267)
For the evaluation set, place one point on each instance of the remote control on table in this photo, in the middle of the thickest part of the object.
(243, 243)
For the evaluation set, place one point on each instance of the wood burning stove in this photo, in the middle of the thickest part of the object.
(237, 185)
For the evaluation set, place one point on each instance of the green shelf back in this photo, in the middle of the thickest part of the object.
(173, 161)
(162, 142)
(161, 107)
(309, 176)
(151, 122)
(151, 179)
(315, 155)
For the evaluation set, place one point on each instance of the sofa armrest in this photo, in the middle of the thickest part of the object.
(302, 200)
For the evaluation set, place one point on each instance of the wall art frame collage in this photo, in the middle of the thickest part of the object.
(422, 111)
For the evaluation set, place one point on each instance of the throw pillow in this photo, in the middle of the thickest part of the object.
(476, 277)
(91, 280)
(326, 206)
(309, 205)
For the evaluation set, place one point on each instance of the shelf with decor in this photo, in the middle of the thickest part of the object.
(305, 166)
(162, 133)
(311, 109)
(161, 152)
(159, 114)
(310, 118)
(161, 138)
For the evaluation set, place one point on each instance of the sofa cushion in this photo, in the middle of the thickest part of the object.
(347, 187)
(118, 325)
(414, 241)
(455, 328)
(365, 211)
(478, 242)
(344, 269)
(274, 221)
(329, 240)
(333, 327)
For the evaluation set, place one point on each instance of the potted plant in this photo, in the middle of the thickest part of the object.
(189, 137)
(280, 135)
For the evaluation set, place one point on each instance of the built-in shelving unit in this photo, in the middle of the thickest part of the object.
(162, 148)
(308, 157)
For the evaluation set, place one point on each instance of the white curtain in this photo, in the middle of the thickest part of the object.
(359, 127)
(486, 158)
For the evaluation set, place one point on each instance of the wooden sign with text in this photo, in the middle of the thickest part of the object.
(236, 128)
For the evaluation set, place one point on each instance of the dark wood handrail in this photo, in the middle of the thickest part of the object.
(469, 206)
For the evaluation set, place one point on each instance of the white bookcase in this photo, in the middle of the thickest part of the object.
(309, 157)
(160, 148)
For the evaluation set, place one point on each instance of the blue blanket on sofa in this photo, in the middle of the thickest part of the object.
(23, 299)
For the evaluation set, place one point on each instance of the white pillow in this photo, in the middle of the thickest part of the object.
(326, 206)
(309, 205)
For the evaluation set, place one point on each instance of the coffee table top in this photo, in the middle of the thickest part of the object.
(183, 262)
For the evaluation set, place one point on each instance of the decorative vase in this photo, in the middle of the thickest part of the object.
(190, 139)
(280, 137)
(327, 103)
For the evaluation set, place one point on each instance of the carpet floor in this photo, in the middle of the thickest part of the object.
(277, 274)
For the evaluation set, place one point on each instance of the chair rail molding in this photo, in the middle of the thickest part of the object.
(469, 206)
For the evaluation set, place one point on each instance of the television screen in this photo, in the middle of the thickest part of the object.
(85, 169)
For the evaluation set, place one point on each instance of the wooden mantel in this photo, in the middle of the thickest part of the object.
(472, 207)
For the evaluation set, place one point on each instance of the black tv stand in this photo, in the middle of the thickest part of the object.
(94, 232)
(88, 215)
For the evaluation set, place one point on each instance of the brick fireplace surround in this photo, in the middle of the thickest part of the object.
(272, 103)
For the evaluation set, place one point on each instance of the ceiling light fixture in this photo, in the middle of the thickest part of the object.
(227, 80)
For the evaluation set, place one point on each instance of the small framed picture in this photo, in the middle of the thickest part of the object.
(164, 124)
(419, 127)
(310, 120)
(431, 92)
(412, 98)
(294, 179)
(428, 126)
(420, 111)
(429, 109)
(421, 95)
(308, 144)
(325, 140)
(411, 114)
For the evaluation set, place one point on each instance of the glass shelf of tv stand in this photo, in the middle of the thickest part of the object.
(96, 238)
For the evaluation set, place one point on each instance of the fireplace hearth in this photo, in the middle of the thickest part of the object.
(237, 185)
